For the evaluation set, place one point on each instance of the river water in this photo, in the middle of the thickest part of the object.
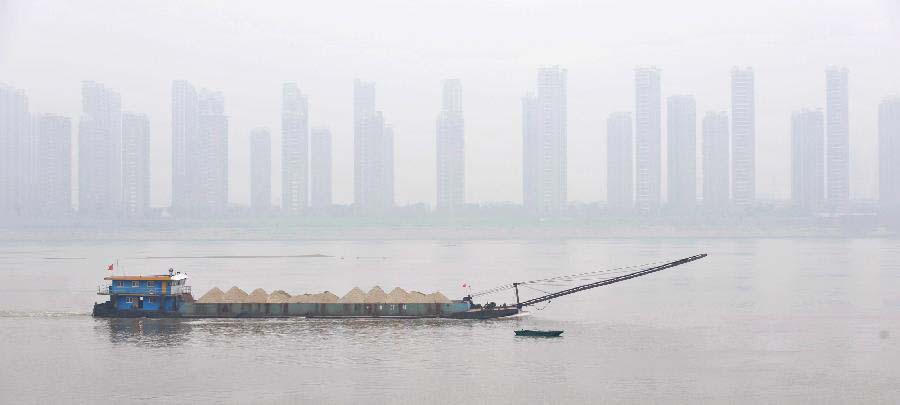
(787, 320)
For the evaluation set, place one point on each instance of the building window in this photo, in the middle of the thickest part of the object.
(120, 283)
(135, 284)
(129, 300)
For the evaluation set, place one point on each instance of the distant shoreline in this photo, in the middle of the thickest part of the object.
(413, 232)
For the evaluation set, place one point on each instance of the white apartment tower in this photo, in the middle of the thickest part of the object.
(211, 190)
(185, 145)
(808, 159)
(544, 135)
(373, 155)
(450, 140)
(135, 165)
(100, 152)
(16, 149)
(294, 150)
(54, 166)
(837, 124)
(681, 131)
(647, 139)
(743, 137)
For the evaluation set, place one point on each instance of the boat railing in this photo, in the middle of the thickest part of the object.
(103, 290)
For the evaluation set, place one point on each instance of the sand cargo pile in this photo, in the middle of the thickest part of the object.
(376, 295)
(356, 303)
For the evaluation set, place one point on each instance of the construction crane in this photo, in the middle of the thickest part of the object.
(608, 277)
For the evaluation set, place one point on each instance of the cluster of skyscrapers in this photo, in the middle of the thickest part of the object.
(820, 176)
(113, 161)
(36, 168)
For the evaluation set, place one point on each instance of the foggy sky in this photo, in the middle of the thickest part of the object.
(247, 50)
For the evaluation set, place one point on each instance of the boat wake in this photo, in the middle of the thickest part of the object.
(43, 314)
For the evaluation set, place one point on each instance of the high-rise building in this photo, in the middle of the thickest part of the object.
(544, 136)
(199, 151)
(715, 161)
(294, 150)
(837, 137)
(648, 138)
(100, 152)
(211, 191)
(808, 159)
(16, 151)
(743, 137)
(619, 162)
(450, 139)
(260, 170)
(889, 154)
(185, 145)
(681, 131)
(54, 166)
(320, 168)
(373, 163)
(136, 165)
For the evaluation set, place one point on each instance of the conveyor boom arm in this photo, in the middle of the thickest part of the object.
(609, 281)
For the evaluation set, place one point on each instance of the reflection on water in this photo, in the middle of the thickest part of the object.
(143, 331)
(169, 332)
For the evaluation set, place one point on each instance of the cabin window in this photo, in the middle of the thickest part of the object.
(135, 284)
(151, 284)
(129, 300)
(120, 283)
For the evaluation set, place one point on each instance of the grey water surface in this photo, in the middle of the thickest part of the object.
(759, 320)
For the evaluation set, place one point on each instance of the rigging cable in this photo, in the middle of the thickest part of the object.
(590, 275)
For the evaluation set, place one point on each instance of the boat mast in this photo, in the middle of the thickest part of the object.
(516, 286)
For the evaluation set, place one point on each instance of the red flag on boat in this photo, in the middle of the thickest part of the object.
(465, 285)
(110, 268)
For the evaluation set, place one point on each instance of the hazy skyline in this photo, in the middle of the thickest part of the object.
(249, 51)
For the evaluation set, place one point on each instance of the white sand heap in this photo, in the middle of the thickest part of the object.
(301, 299)
(258, 296)
(416, 297)
(325, 298)
(355, 296)
(235, 296)
(397, 296)
(376, 296)
(279, 297)
(438, 298)
(212, 296)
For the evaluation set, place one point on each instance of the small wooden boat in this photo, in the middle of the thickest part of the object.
(541, 333)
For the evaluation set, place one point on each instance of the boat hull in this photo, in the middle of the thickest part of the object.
(539, 333)
(455, 310)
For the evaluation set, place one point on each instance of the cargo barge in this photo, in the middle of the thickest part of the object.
(169, 296)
